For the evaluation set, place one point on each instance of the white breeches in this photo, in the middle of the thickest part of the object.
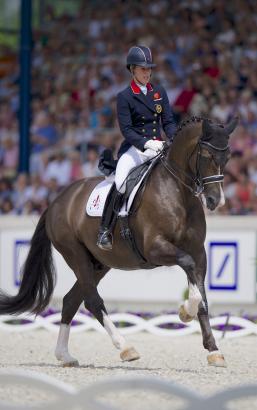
(130, 159)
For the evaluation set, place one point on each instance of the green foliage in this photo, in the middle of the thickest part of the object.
(9, 40)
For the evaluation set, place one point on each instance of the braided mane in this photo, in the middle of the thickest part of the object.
(193, 120)
(187, 122)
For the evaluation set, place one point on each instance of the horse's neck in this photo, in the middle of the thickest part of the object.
(183, 145)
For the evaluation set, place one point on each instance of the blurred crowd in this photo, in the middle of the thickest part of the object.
(206, 55)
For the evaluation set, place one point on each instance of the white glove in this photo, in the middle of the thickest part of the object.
(154, 145)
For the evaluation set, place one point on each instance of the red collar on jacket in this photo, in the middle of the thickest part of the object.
(135, 88)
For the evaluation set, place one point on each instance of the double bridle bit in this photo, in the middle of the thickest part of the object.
(198, 181)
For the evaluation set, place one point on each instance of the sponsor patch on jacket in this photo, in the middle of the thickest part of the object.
(157, 97)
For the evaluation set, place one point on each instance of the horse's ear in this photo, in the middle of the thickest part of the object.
(206, 127)
(231, 125)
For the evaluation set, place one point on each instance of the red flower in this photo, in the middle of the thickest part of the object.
(156, 96)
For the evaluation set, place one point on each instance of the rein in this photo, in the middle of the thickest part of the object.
(198, 181)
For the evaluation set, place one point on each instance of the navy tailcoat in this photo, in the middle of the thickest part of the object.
(141, 116)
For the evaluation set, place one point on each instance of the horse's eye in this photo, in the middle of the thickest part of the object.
(206, 154)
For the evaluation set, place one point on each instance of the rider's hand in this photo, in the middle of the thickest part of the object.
(154, 145)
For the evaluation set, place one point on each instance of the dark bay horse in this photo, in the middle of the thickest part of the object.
(169, 228)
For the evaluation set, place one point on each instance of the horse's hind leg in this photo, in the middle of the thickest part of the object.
(88, 275)
(78, 259)
(128, 353)
(71, 303)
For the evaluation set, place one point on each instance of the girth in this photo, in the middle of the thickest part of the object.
(131, 181)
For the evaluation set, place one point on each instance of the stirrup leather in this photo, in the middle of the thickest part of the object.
(110, 214)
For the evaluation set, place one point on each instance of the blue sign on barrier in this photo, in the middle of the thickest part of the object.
(223, 265)
(21, 248)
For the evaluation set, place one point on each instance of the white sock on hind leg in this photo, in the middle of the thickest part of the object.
(117, 339)
(61, 351)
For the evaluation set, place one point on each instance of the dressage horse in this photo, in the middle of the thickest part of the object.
(168, 226)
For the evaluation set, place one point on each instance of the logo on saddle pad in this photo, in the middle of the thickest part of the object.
(96, 202)
(97, 198)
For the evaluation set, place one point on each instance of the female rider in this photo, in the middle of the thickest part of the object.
(140, 109)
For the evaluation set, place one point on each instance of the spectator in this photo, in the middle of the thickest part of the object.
(184, 99)
(6, 207)
(59, 168)
(206, 56)
(247, 106)
(90, 167)
(76, 171)
(53, 190)
(5, 189)
(10, 158)
(221, 112)
(245, 191)
(36, 191)
(44, 136)
(19, 194)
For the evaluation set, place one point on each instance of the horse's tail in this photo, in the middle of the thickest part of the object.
(38, 279)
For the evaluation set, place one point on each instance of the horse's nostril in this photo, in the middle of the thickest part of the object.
(211, 202)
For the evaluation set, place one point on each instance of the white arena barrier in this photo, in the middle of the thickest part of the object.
(131, 324)
(231, 247)
(67, 397)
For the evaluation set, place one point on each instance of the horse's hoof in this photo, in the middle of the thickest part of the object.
(71, 363)
(129, 354)
(216, 359)
(66, 359)
(184, 316)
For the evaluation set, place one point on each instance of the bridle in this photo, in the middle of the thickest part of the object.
(198, 181)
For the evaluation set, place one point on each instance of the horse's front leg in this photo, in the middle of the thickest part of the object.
(215, 357)
(165, 253)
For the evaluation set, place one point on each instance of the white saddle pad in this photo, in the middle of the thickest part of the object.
(96, 201)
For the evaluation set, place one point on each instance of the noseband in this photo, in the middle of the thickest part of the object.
(213, 178)
(199, 182)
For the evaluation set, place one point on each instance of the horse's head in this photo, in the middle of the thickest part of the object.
(212, 156)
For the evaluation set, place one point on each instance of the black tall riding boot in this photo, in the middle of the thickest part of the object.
(112, 207)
